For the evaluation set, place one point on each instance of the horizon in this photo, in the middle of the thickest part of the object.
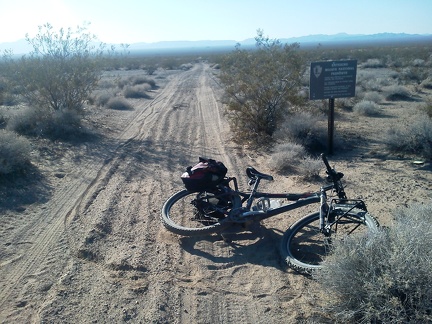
(143, 21)
(251, 38)
(23, 47)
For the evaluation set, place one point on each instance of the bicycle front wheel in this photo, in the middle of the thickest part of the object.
(190, 213)
(304, 247)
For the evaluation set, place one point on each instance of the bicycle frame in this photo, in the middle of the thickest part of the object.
(246, 213)
(299, 200)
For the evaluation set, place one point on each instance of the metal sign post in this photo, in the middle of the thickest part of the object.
(330, 80)
(330, 126)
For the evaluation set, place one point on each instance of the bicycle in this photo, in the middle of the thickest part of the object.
(304, 245)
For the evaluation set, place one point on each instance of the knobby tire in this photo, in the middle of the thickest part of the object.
(180, 216)
(304, 247)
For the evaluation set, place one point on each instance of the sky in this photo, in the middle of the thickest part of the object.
(133, 21)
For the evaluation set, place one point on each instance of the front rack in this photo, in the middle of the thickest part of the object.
(349, 203)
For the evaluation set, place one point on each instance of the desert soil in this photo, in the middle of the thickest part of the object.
(84, 243)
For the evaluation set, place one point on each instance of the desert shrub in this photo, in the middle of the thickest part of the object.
(62, 124)
(412, 73)
(396, 92)
(345, 103)
(106, 84)
(119, 103)
(186, 66)
(366, 108)
(136, 91)
(3, 120)
(3, 87)
(11, 99)
(28, 121)
(376, 84)
(372, 80)
(60, 72)
(102, 98)
(418, 62)
(373, 96)
(286, 156)
(427, 83)
(385, 277)
(373, 63)
(15, 152)
(427, 107)
(302, 127)
(56, 79)
(261, 85)
(122, 82)
(413, 137)
(310, 167)
(142, 80)
(8, 95)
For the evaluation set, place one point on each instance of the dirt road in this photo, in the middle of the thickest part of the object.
(94, 250)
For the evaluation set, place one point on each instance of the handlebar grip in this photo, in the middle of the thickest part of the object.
(324, 158)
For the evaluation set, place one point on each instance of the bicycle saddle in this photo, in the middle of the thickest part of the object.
(254, 173)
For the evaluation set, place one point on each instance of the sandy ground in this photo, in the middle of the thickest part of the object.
(85, 243)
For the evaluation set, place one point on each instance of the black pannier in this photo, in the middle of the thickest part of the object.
(205, 175)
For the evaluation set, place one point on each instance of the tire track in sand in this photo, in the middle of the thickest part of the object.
(44, 230)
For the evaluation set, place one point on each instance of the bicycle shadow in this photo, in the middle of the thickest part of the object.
(237, 246)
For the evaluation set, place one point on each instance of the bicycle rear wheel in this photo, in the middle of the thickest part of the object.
(190, 213)
(304, 247)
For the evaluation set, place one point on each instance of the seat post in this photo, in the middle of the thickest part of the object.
(253, 192)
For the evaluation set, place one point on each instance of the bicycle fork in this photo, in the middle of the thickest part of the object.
(324, 209)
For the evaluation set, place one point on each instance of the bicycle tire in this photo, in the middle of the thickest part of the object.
(304, 247)
(181, 217)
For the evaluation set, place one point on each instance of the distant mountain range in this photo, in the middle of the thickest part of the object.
(22, 47)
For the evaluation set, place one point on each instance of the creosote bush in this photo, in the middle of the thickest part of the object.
(58, 76)
(261, 87)
(14, 152)
(385, 277)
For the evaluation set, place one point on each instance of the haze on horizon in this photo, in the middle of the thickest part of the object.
(133, 21)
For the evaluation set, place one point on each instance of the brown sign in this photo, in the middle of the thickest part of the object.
(332, 79)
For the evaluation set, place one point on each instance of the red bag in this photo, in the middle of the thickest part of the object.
(205, 175)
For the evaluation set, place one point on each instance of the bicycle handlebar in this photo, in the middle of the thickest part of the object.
(334, 177)
(324, 158)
